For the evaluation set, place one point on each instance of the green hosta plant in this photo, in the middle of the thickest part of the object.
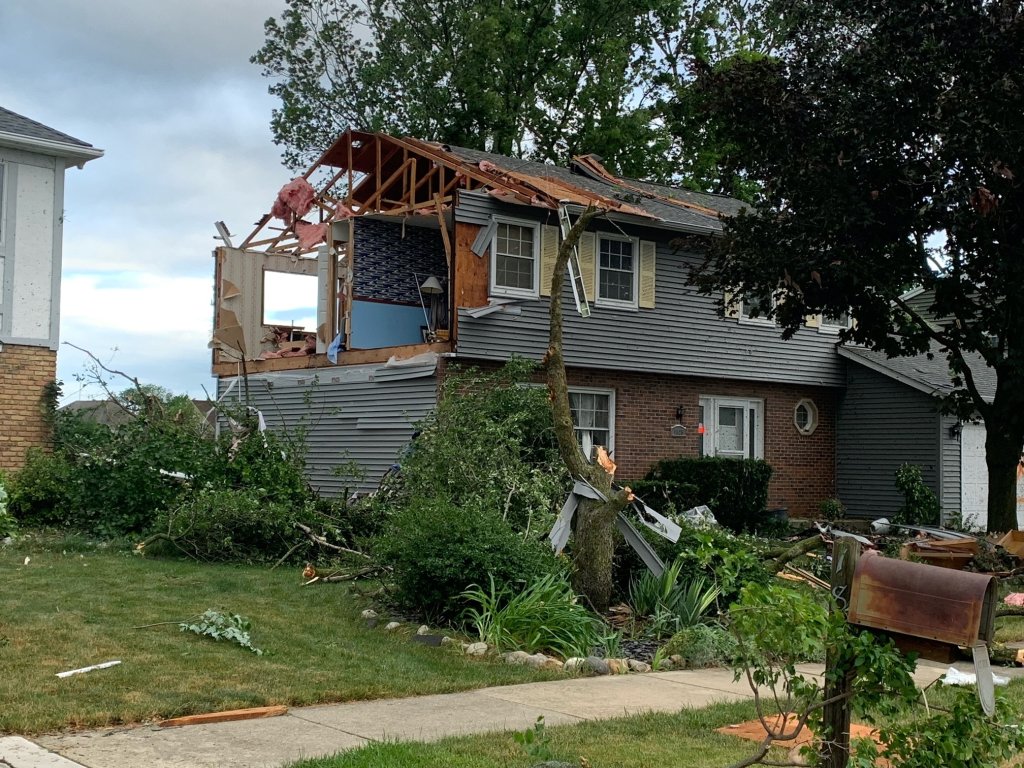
(221, 626)
(545, 616)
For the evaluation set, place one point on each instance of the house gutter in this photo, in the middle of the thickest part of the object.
(79, 154)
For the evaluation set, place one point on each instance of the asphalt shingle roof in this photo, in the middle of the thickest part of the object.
(656, 208)
(929, 371)
(19, 125)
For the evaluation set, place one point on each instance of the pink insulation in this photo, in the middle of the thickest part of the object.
(310, 234)
(294, 200)
(1014, 598)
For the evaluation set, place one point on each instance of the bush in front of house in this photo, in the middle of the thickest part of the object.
(703, 645)
(438, 550)
(114, 480)
(736, 490)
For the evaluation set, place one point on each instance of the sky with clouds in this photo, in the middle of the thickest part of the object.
(167, 91)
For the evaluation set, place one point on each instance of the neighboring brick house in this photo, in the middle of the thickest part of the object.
(33, 159)
(417, 256)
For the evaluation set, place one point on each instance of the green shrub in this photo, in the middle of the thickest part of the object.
(703, 645)
(438, 550)
(726, 560)
(115, 480)
(667, 496)
(243, 525)
(489, 444)
(671, 602)
(920, 506)
(736, 490)
(831, 510)
(545, 616)
(8, 525)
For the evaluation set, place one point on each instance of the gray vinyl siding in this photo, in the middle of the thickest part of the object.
(360, 414)
(883, 424)
(682, 335)
(949, 448)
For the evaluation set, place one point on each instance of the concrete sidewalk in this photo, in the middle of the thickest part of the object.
(323, 730)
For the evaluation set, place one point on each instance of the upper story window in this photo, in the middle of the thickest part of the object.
(617, 269)
(515, 258)
(835, 322)
(756, 309)
(593, 416)
(733, 427)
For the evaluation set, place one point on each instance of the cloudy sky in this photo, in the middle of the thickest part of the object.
(167, 90)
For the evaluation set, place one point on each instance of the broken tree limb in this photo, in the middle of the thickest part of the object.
(798, 549)
(321, 541)
(287, 554)
(1009, 610)
(336, 576)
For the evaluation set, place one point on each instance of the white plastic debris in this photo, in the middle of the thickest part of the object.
(104, 665)
(699, 517)
(881, 526)
(954, 676)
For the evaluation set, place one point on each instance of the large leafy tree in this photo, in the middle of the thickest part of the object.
(888, 145)
(531, 78)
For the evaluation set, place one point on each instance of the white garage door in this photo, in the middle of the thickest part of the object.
(974, 479)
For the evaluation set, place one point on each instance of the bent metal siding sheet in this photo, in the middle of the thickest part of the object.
(360, 414)
(682, 335)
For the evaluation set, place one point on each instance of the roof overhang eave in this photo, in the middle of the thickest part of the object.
(641, 221)
(78, 154)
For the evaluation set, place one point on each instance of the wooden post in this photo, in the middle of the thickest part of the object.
(835, 745)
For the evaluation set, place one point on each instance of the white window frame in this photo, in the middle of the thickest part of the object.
(812, 413)
(832, 325)
(503, 290)
(709, 443)
(617, 303)
(760, 319)
(4, 173)
(610, 393)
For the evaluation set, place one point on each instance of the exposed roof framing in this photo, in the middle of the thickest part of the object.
(366, 172)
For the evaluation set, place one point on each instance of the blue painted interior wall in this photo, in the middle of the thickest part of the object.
(385, 325)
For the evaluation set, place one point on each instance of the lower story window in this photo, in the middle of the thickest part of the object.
(593, 416)
(733, 427)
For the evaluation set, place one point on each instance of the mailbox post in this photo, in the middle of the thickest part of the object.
(835, 744)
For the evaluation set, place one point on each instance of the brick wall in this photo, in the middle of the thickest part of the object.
(645, 411)
(24, 372)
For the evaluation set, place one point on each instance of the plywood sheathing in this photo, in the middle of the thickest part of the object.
(471, 284)
(349, 357)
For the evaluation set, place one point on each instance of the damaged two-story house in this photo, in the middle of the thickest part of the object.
(415, 256)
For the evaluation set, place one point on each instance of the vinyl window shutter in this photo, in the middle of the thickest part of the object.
(732, 305)
(588, 263)
(548, 257)
(647, 260)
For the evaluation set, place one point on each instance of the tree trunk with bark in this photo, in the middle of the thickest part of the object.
(1003, 439)
(593, 534)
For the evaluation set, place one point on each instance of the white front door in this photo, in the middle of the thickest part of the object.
(974, 479)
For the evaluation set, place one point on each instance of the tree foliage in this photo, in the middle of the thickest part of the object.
(888, 148)
(528, 78)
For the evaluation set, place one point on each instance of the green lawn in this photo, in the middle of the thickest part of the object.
(67, 610)
(685, 738)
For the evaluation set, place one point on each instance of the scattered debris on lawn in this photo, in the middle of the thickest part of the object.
(954, 676)
(754, 730)
(104, 665)
(220, 626)
(224, 717)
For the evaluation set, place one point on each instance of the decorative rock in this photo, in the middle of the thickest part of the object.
(552, 664)
(638, 666)
(575, 664)
(391, 626)
(423, 630)
(597, 665)
(369, 613)
(676, 659)
(538, 660)
(448, 640)
(476, 649)
(519, 658)
(617, 666)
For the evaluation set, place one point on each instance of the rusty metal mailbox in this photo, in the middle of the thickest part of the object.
(926, 608)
